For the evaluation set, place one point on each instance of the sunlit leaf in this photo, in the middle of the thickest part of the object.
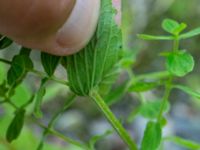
(170, 25)
(180, 63)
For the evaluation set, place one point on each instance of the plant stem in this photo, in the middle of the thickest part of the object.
(39, 73)
(57, 134)
(113, 120)
(154, 75)
(176, 44)
(168, 88)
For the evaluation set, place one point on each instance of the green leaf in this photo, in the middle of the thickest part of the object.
(183, 142)
(180, 63)
(173, 26)
(151, 109)
(39, 96)
(21, 64)
(155, 37)
(170, 25)
(142, 86)
(188, 90)
(15, 126)
(190, 34)
(5, 42)
(49, 63)
(152, 136)
(95, 65)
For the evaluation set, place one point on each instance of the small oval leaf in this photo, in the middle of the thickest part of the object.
(15, 126)
(170, 25)
(180, 63)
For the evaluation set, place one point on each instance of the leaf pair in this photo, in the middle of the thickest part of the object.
(173, 26)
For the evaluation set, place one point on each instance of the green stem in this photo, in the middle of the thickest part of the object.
(57, 134)
(165, 99)
(176, 44)
(154, 75)
(113, 120)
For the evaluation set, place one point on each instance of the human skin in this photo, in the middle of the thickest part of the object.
(59, 27)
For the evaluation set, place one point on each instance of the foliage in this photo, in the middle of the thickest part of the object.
(91, 73)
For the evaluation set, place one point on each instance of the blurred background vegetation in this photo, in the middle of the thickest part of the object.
(83, 120)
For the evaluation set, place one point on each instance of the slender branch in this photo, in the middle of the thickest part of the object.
(176, 44)
(165, 99)
(57, 134)
(39, 73)
(113, 120)
(5, 61)
(154, 75)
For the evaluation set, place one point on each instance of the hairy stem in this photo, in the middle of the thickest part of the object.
(113, 120)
